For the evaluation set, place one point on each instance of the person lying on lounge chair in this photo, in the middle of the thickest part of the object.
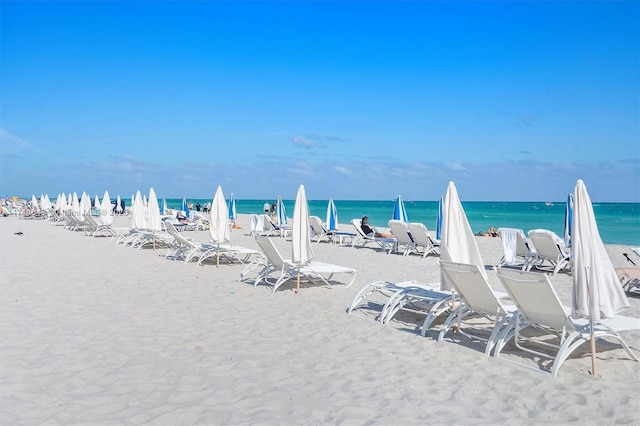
(181, 217)
(493, 232)
(372, 231)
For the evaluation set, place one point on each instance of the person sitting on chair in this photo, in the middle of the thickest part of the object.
(371, 231)
(181, 217)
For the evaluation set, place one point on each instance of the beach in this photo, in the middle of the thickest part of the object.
(98, 333)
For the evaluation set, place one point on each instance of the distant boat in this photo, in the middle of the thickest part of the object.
(548, 203)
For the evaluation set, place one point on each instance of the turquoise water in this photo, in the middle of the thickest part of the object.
(619, 223)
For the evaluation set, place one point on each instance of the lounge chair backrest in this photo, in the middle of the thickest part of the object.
(200, 216)
(171, 230)
(91, 221)
(267, 224)
(547, 244)
(253, 218)
(401, 231)
(420, 234)
(270, 251)
(535, 297)
(473, 287)
(316, 226)
(356, 224)
(514, 244)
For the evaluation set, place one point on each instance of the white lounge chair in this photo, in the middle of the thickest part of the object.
(516, 247)
(423, 240)
(229, 252)
(362, 239)
(540, 308)
(268, 227)
(549, 248)
(317, 230)
(410, 296)
(320, 233)
(404, 241)
(285, 269)
(629, 278)
(184, 248)
(478, 300)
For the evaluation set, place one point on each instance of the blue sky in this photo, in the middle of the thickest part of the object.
(513, 101)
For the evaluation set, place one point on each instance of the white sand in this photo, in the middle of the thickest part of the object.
(94, 332)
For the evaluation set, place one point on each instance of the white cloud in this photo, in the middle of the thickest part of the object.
(458, 167)
(342, 170)
(303, 141)
(12, 145)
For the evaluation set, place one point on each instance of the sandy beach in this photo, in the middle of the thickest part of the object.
(98, 333)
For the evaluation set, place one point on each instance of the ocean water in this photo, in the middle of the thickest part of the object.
(619, 223)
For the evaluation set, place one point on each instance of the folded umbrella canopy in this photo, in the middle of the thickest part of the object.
(568, 221)
(154, 221)
(118, 204)
(332, 216)
(458, 242)
(597, 292)
(399, 211)
(232, 207)
(439, 219)
(75, 205)
(301, 253)
(281, 213)
(219, 227)
(106, 214)
(85, 205)
(185, 207)
(139, 216)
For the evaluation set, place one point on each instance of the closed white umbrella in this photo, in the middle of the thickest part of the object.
(61, 202)
(75, 205)
(85, 205)
(139, 217)
(458, 242)
(34, 202)
(47, 203)
(301, 253)
(597, 292)
(154, 221)
(219, 227)
(118, 204)
(106, 215)
(96, 203)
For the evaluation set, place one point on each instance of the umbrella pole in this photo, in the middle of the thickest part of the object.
(593, 351)
(218, 256)
(593, 336)
(453, 308)
(298, 281)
